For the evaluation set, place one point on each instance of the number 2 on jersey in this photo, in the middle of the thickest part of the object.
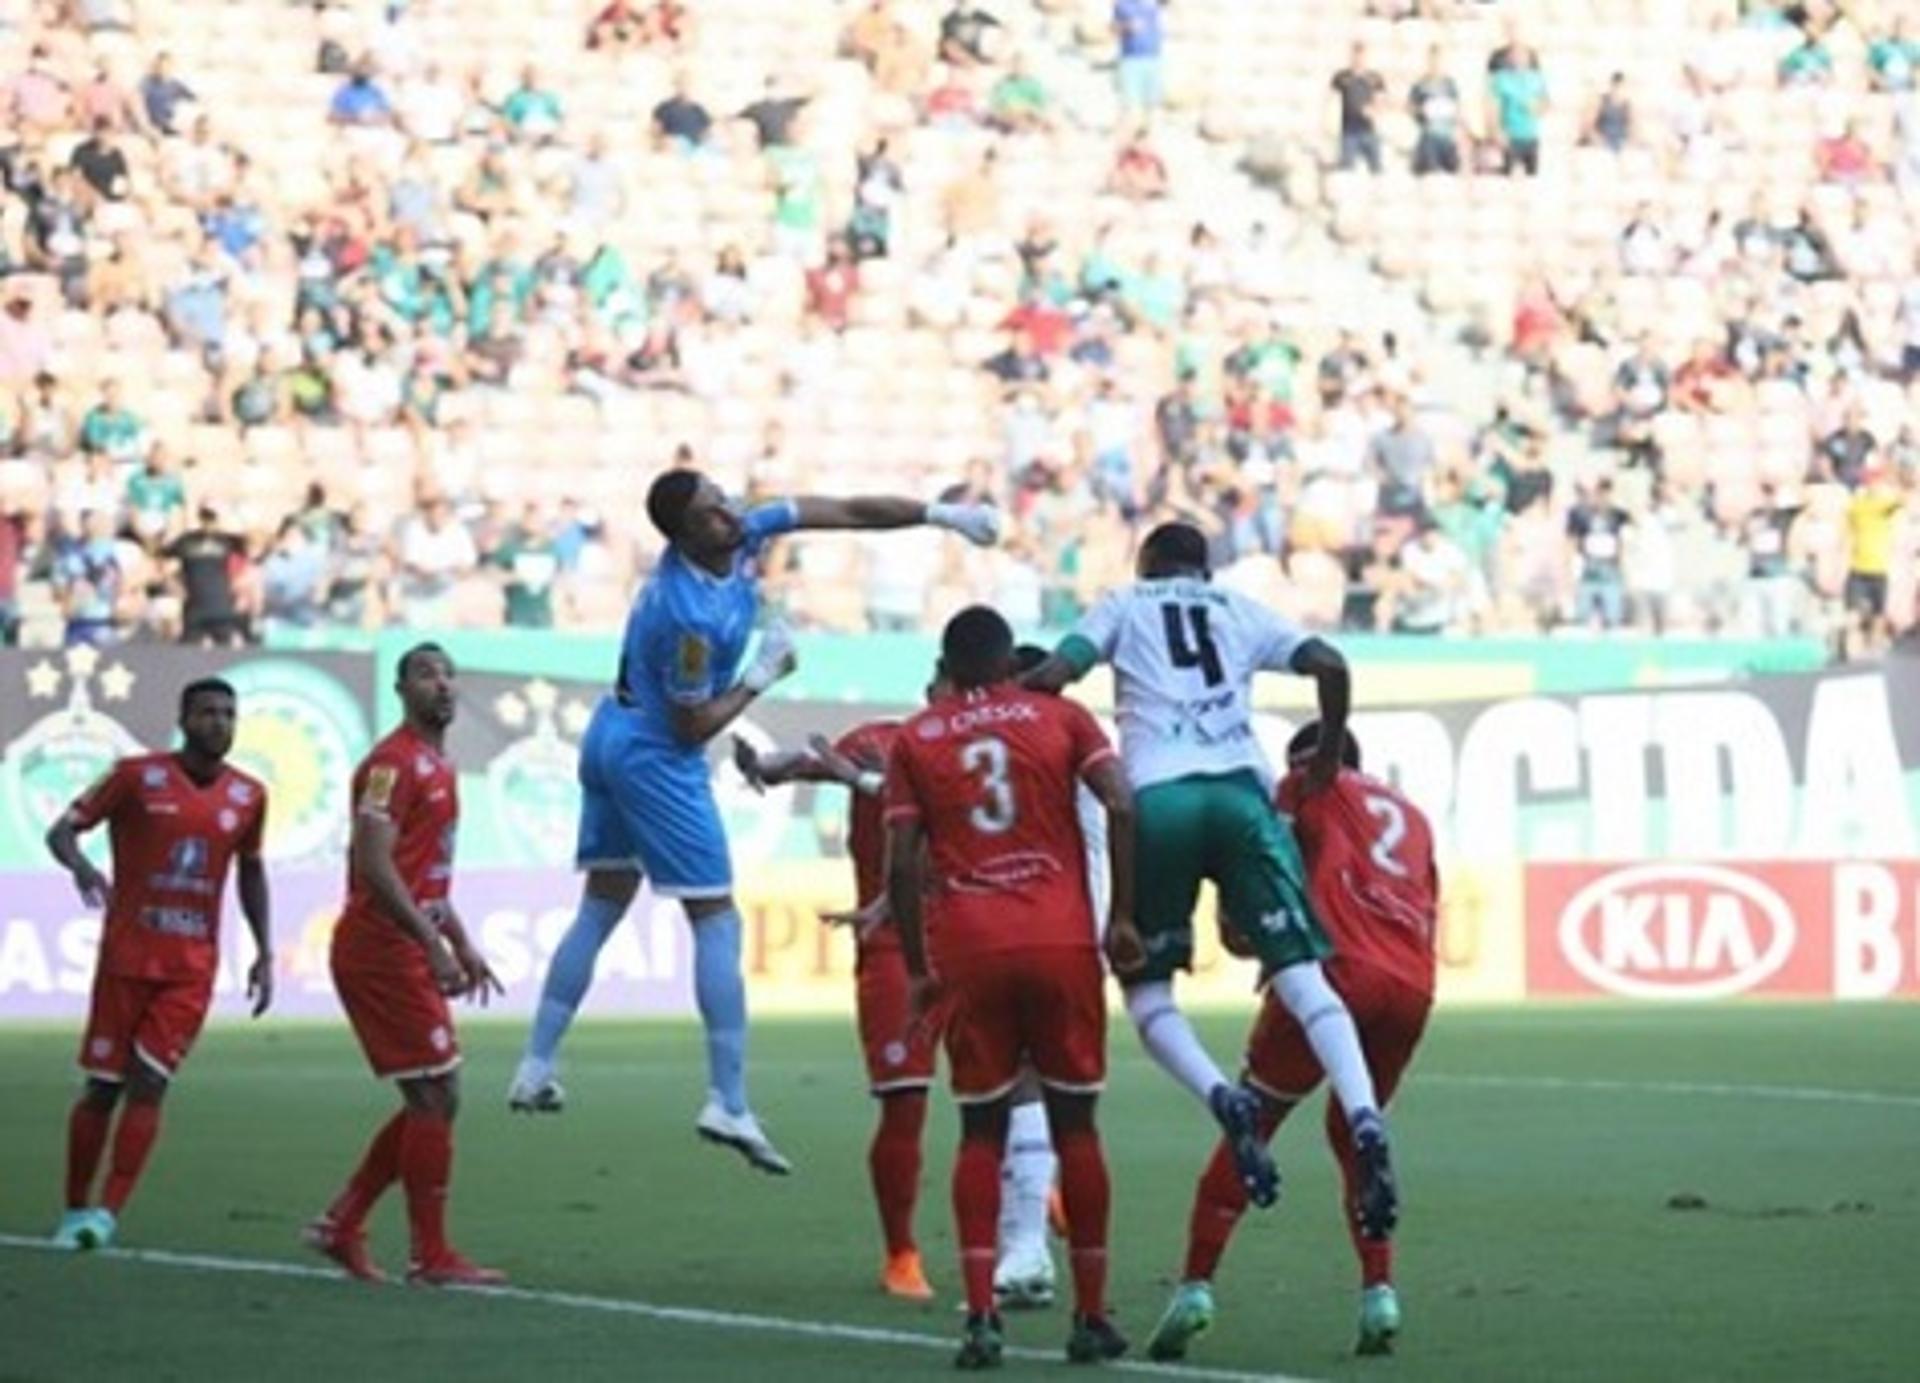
(1393, 830)
(1190, 641)
(997, 810)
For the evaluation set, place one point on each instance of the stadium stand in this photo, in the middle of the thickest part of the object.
(348, 313)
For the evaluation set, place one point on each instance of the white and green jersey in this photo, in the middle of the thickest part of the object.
(1184, 654)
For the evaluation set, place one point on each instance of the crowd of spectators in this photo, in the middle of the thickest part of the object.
(237, 394)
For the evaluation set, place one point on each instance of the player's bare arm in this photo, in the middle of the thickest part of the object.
(1333, 683)
(371, 851)
(696, 722)
(1107, 781)
(63, 842)
(251, 881)
(977, 523)
(1054, 675)
(906, 878)
(481, 983)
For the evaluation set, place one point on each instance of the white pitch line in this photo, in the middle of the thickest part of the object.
(678, 1315)
(1803, 1094)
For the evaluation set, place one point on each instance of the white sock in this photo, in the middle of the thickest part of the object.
(1026, 1179)
(1323, 1017)
(1170, 1039)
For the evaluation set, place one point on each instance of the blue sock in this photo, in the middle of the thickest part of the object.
(721, 992)
(570, 972)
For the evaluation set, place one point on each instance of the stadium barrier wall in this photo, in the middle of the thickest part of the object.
(1745, 837)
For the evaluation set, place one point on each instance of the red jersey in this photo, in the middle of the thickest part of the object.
(1370, 872)
(406, 781)
(173, 841)
(866, 824)
(992, 776)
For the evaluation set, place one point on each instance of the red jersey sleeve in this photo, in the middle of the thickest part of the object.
(1090, 743)
(384, 792)
(105, 798)
(903, 794)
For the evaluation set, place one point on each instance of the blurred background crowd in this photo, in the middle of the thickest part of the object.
(1441, 317)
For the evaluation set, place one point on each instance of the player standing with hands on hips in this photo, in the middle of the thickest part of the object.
(399, 953)
(176, 822)
(648, 808)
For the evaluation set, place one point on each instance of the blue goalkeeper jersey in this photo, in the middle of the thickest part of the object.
(689, 629)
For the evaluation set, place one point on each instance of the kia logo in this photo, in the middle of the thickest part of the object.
(1676, 931)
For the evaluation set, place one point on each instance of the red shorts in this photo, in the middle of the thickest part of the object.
(900, 1053)
(1390, 1015)
(1011, 1009)
(400, 1017)
(154, 1020)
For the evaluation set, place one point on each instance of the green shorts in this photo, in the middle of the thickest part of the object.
(1221, 828)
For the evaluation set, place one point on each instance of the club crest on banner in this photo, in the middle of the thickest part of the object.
(69, 746)
(533, 785)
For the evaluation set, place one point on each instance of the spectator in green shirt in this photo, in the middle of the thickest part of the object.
(1895, 57)
(110, 428)
(532, 110)
(156, 498)
(798, 191)
(530, 562)
(1018, 102)
(1808, 64)
(1519, 92)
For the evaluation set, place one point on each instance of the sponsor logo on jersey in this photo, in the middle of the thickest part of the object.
(1662, 931)
(377, 796)
(695, 658)
(999, 713)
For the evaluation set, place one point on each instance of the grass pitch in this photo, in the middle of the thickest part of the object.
(1549, 1158)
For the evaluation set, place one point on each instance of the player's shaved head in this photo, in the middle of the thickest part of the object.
(1306, 740)
(408, 660)
(976, 650)
(669, 498)
(1173, 549)
(205, 686)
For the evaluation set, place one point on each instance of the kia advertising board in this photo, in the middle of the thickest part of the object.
(1829, 929)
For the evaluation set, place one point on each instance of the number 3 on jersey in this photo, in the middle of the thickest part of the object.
(997, 810)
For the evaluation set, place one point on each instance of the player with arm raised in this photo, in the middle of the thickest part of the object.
(399, 953)
(987, 884)
(1370, 865)
(900, 1053)
(175, 823)
(1184, 654)
(649, 808)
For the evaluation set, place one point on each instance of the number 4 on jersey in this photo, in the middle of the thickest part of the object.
(1190, 641)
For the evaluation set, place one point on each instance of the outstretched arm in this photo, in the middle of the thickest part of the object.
(978, 523)
(1320, 660)
(819, 762)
